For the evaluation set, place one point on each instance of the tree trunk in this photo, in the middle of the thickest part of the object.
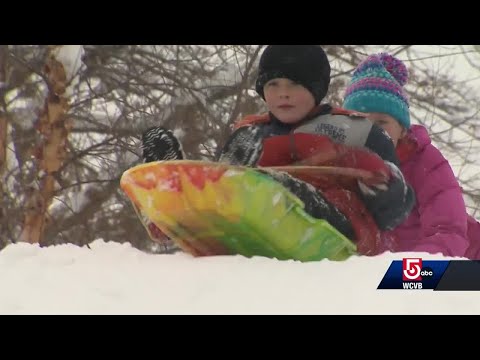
(3, 111)
(3, 124)
(54, 127)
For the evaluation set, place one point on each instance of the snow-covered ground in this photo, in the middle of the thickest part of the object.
(113, 278)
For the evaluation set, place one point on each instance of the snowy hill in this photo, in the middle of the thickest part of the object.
(112, 278)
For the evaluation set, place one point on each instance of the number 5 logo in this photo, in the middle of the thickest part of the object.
(411, 269)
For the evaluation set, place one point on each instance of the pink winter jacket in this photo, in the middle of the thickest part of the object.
(438, 222)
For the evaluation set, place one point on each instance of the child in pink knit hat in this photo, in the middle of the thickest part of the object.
(439, 222)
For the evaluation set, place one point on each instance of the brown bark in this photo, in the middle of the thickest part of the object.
(53, 127)
(3, 113)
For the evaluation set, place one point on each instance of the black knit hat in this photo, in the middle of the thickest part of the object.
(307, 65)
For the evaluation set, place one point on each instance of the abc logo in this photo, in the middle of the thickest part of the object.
(414, 271)
(426, 272)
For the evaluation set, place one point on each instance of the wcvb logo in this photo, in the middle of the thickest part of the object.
(413, 270)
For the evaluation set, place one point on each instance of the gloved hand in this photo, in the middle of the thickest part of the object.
(389, 203)
(244, 147)
(159, 143)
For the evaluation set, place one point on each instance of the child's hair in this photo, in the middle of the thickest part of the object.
(307, 65)
(377, 86)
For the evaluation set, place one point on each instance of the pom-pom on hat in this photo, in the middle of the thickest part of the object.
(377, 86)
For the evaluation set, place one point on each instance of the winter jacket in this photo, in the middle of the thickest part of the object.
(438, 222)
(310, 143)
(473, 235)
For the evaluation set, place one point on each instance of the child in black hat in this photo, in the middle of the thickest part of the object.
(293, 80)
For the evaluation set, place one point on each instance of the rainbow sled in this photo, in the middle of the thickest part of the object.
(212, 209)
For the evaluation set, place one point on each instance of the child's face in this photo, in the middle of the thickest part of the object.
(389, 124)
(288, 101)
